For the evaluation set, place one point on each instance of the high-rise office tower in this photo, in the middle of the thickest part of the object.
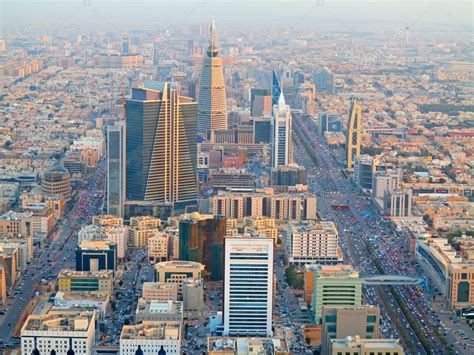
(281, 134)
(354, 134)
(116, 169)
(201, 239)
(161, 151)
(276, 89)
(248, 286)
(324, 80)
(125, 45)
(212, 107)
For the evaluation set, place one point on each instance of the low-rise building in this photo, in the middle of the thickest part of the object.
(193, 296)
(151, 337)
(141, 229)
(356, 345)
(96, 255)
(97, 300)
(58, 332)
(247, 346)
(452, 271)
(158, 247)
(310, 242)
(342, 321)
(178, 271)
(160, 291)
(85, 281)
(152, 310)
(261, 225)
(335, 285)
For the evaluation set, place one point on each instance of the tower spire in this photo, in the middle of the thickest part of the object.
(213, 49)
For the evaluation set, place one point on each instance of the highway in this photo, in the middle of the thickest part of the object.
(358, 231)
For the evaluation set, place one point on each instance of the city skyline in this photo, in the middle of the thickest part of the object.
(302, 185)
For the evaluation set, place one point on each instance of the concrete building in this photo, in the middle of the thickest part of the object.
(153, 310)
(73, 301)
(364, 168)
(360, 346)
(288, 175)
(60, 332)
(3, 285)
(264, 203)
(9, 264)
(151, 337)
(248, 309)
(310, 242)
(178, 271)
(451, 271)
(158, 247)
(383, 181)
(341, 322)
(335, 285)
(56, 181)
(247, 346)
(398, 203)
(160, 291)
(107, 220)
(256, 226)
(193, 297)
(141, 229)
(85, 281)
(96, 256)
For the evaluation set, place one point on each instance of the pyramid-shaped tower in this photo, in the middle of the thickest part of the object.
(212, 107)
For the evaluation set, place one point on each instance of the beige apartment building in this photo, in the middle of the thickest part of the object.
(360, 346)
(342, 321)
(160, 291)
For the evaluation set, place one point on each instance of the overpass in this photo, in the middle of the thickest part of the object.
(393, 280)
(395, 131)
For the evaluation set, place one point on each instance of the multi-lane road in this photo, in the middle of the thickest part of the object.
(363, 232)
(58, 253)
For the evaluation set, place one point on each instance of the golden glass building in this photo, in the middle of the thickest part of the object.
(354, 134)
(161, 150)
(212, 107)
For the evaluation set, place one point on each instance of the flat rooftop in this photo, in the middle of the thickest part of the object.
(152, 330)
(59, 322)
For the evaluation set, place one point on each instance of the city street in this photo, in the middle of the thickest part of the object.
(332, 188)
(57, 254)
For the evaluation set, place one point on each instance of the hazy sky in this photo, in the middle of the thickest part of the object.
(355, 15)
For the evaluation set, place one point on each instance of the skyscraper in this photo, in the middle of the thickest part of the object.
(276, 89)
(212, 107)
(248, 286)
(354, 136)
(281, 134)
(116, 169)
(161, 146)
(201, 239)
(125, 45)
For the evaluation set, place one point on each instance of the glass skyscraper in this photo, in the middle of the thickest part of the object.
(116, 169)
(161, 146)
(212, 107)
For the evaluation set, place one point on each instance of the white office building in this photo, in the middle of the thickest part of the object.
(248, 286)
(61, 332)
(281, 134)
(310, 242)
